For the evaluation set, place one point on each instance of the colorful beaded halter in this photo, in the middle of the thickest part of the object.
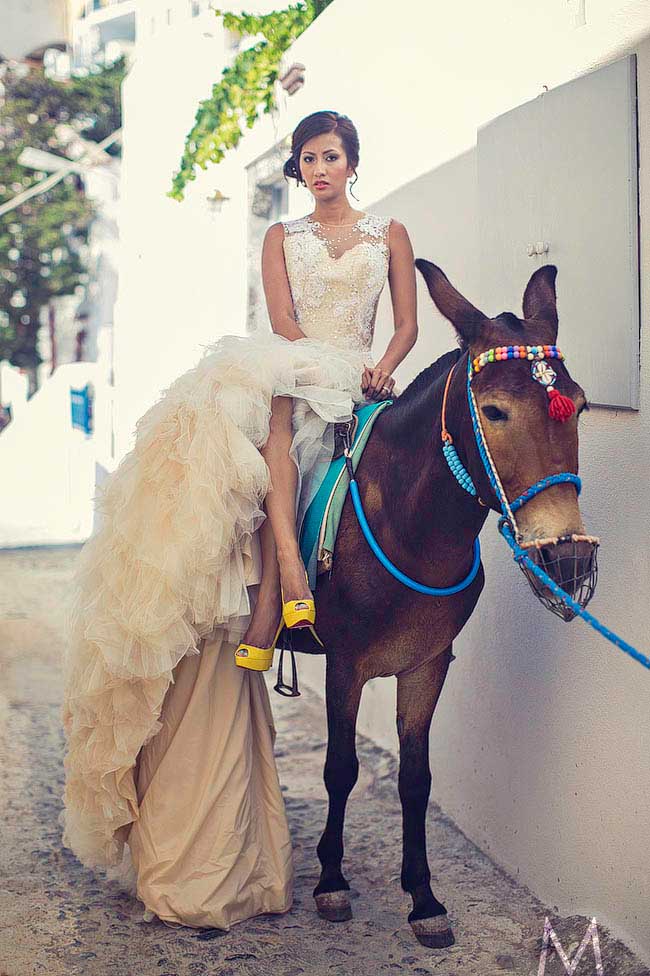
(560, 408)
(556, 600)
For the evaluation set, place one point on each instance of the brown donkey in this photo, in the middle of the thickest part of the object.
(371, 624)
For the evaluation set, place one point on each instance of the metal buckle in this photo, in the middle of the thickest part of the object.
(344, 433)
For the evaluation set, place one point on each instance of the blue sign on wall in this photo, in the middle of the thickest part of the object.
(81, 403)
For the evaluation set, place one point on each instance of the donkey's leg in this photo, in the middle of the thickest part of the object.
(343, 690)
(417, 696)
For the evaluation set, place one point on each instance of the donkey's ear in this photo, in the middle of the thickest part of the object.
(540, 300)
(465, 318)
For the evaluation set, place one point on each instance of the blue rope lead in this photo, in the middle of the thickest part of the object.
(397, 573)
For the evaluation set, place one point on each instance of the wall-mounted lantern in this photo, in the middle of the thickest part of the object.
(216, 201)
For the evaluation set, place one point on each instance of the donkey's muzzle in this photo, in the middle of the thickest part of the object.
(572, 563)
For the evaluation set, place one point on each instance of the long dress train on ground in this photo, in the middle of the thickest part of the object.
(170, 777)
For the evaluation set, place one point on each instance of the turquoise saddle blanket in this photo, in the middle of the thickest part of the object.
(321, 520)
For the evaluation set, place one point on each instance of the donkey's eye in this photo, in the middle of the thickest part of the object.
(493, 413)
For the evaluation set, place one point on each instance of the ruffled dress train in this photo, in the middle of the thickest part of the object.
(170, 776)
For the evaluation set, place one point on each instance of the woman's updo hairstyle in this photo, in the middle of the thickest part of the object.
(315, 125)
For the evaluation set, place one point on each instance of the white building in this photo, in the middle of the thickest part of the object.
(101, 29)
(181, 281)
(30, 26)
(541, 739)
(50, 469)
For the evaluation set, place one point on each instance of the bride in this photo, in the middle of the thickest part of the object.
(180, 595)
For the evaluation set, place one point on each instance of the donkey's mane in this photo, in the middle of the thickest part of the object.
(420, 387)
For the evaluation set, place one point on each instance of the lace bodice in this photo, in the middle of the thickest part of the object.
(336, 284)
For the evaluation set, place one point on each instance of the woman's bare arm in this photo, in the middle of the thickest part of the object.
(276, 285)
(401, 278)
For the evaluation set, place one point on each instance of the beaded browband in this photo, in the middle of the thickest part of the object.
(501, 353)
(560, 407)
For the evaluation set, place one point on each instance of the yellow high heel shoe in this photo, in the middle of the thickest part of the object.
(257, 658)
(300, 613)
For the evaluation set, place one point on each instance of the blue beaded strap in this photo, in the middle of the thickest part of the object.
(457, 468)
(464, 479)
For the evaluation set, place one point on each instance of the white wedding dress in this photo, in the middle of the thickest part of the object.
(171, 783)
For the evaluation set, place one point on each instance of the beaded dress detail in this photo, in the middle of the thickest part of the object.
(171, 783)
(336, 287)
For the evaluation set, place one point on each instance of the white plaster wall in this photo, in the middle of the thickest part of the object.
(14, 387)
(182, 271)
(103, 186)
(48, 468)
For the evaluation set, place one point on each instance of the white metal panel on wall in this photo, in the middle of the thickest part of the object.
(561, 170)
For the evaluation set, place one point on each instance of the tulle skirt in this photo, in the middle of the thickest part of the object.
(170, 780)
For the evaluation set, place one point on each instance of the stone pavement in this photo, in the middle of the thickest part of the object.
(57, 919)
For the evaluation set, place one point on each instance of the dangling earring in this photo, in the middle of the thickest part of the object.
(352, 181)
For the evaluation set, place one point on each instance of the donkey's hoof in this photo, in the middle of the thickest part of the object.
(434, 933)
(334, 906)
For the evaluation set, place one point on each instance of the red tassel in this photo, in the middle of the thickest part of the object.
(560, 407)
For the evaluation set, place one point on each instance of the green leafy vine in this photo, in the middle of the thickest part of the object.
(246, 86)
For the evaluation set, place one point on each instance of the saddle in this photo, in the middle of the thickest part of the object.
(321, 520)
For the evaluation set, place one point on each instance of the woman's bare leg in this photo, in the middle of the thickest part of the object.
(281, 501)
(281, 559)
(268, 608)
